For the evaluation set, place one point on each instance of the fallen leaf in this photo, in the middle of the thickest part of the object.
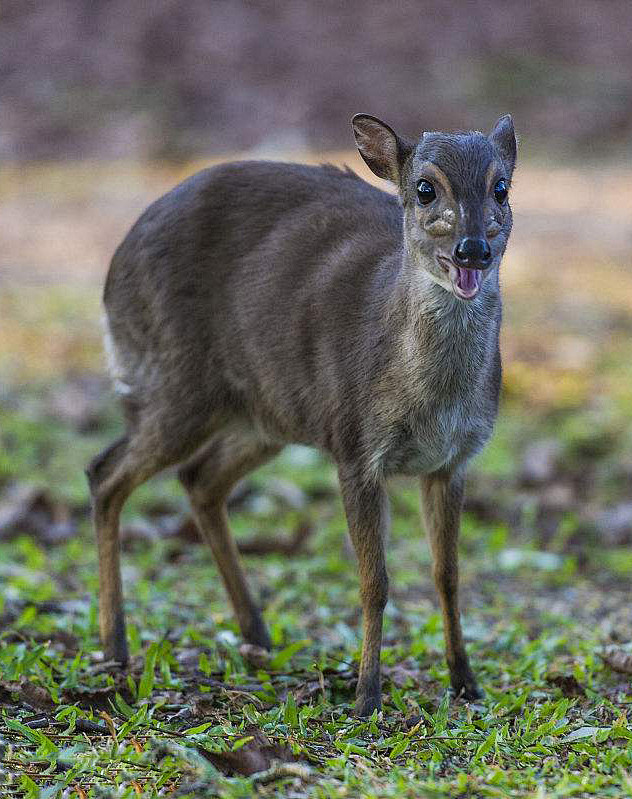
(90, 727)
(287, 493)
(510, 559)
(30, 510)
(582, 732)
(256, 755)
(618, 659)
(34, 695)
(110, 722)
(284, 545)
(98, 698)
(186, 530)
(402, 674)
(568, 684)
(310, 690)
(132, 534)
(38, 722)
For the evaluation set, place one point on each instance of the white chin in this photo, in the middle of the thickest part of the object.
(441, 280)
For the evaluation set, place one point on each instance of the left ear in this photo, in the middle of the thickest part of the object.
(503, 137)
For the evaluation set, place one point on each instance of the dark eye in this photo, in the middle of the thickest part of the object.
(425, 192)
(500, 192)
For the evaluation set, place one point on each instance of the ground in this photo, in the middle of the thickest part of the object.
(544, 549)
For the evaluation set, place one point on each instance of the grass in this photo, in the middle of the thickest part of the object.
(553, 723)
(196, 715)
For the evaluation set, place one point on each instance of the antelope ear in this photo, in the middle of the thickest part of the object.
(380, 147)
(503, 137)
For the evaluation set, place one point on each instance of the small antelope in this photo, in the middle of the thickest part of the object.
(259, 304)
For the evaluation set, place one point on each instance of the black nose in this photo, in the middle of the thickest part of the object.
(472, 252)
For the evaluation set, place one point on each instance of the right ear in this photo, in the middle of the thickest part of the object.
(380, 147)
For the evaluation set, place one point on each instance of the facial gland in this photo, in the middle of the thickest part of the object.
(441, 225)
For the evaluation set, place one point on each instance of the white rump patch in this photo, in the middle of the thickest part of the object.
(115, 367)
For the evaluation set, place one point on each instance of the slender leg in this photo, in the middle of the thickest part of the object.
(442, 496)
(113, 475)
(208, 479)
(368, 518)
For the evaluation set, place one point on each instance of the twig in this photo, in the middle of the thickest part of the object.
(286, 545)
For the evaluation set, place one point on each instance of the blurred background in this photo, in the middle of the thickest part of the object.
(106, 105)
(171, 80)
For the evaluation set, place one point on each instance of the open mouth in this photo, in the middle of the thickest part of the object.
(466, 283)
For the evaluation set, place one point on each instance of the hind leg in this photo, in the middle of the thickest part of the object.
(208, 479)
(111, 482)
(112, 476)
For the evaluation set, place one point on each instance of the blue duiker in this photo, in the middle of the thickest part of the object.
(261, 304)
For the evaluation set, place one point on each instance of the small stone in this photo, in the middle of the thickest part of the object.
(287, 493)
(614, 525)
(540, 462)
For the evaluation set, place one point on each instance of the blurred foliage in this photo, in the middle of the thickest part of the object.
(89, 79)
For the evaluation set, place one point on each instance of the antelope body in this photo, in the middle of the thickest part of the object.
(260, 304)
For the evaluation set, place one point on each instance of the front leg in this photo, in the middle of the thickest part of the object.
(366, 507)
(442, 498)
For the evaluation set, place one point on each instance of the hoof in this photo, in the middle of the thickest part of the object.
(117, 659)
(463, 681)
(365, 705)
(113, 636)
(468, 690)
(258, 635)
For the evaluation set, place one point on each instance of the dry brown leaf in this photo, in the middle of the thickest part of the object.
(257, 755)
(30, 510)
(403, 674)
(137, 745)
(99, 698)
(310, 690)
(284, 545)
(34, 695)
(186, 531)
(567, 683)
(110, 722)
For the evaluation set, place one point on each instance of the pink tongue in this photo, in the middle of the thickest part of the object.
(468, 279)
